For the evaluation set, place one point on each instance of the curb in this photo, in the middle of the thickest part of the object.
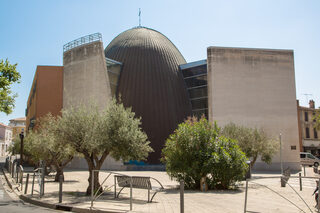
(54, 206)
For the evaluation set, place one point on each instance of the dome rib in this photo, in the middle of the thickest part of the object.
(150, 82)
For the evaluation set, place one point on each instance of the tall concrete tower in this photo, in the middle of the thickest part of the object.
(85, 78)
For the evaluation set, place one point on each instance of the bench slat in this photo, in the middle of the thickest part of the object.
(137, 182)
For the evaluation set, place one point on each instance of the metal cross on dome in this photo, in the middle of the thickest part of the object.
(139, 17)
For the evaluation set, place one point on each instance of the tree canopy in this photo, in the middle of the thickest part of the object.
(253, 142)
(8, 76)
(96, 133)
(196, 151)
(44, 144)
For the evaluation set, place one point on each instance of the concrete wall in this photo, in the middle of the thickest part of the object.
(86, 81)
(85, 76)
(256, 88)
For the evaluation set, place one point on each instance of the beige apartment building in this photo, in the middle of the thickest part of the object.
(309, 135)
(18, 125)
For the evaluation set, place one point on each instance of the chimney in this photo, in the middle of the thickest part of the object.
(311, 104)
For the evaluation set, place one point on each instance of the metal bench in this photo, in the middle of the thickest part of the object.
(138, 182)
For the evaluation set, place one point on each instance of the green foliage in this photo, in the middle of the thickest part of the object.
(317, 118)
(115, 131)
(8, 76)
(44, 144)
(253, 142)
(195, 151)
(14, 147)
(96, 133)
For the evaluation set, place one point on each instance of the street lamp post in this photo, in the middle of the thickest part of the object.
(21, 146)
(281, 154)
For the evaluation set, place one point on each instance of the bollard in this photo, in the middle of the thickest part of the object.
(27, 182)
(115, 187)
(60, 188)
(181, 196)
(12, 170)
(42, 179)
(130, 193)
(246, 196)
(17, 174)
(92, 187)
(21, 180)
(318, 196)
(300, 181)
(32, 183)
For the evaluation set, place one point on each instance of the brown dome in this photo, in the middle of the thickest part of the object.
(150, 82)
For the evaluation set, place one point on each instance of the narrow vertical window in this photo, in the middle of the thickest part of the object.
(315, 133)
(307, 133)
(306, 116)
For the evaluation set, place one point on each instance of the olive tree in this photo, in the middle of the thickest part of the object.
(96, 134)
(44, 144)
(196, 151)
(253, 142)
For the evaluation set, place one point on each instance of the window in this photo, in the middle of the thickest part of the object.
(196, 81)
(199, 103)
(307, 133)
(306, 116)
(310, 156)
(198, 92)
(194, 71)
(315, 133)
(293, 147)
(302, 155)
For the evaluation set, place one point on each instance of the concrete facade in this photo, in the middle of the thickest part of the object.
(85, 76)
(86, 81)
(256, 88)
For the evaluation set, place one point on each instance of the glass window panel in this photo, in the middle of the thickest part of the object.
(194, 71)
(198, 92)
(199, 103)
(196, 81)
(311, 156)
(306, 116)
(307, 133)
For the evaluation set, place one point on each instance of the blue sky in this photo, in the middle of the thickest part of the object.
(33, 32)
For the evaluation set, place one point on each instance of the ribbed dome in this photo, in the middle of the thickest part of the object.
(150, 82)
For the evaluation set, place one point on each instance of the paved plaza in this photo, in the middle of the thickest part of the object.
(264, 194)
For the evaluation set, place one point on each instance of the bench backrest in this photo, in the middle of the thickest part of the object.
(137, 182)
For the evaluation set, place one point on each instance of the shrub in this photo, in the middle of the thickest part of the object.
(194, 151)
(253, 142)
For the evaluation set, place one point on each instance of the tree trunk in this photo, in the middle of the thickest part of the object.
(94, 163)
(59, 172)
(253, 160)
(95, 181)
